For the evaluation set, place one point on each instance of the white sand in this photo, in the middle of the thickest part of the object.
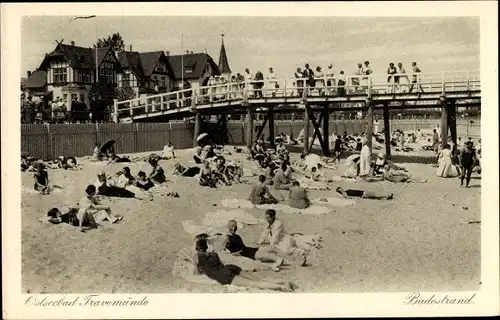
(419, 241)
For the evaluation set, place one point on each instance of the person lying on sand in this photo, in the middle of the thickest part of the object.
(234, 245)
(350, 193)
(279, 241)
(41, 177)
(208, 263)
(91, 205)
(114, 158)
(298, 196)
(55, 216)
(109, 189)
(157, 175)
(392, 175)
(260, 193)
(182, 171)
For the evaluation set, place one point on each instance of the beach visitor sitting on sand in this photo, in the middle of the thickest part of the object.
(168, 151)
(390, 173)
(279, 241)
(206, 177)
(260, 193)
(208, 263)
(96, 155)
(298, 196)
(179, 170)
(219, 171)
(280, 182)
(234, 171)
(90, 205)
(124, 178)
(269, 173)
(350, 193)
(109, 189)
(41, 177)
(143, 182)
(157, 175)
(234, 244)
(71, 217)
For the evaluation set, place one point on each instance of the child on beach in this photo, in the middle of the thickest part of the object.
(206, 177)
(157, 175)
(55, 216)
(143, 182)
(41, 177)
(110, 188)
(168, 151)
(179, 170)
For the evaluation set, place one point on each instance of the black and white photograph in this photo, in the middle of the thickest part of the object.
(287, 154)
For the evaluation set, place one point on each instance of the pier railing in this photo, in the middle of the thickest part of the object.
(327, 86)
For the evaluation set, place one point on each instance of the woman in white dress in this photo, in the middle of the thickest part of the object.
(445, 169)
(272, 83)
(365, 160)
(320, 81)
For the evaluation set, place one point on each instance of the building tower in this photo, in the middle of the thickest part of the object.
(223, 62)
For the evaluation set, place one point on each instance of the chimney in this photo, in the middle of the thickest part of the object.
(187, 51)
(72, 43)
(167, 53)
(130, 48)
(28, 73)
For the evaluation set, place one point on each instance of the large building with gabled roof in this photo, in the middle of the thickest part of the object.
(145, 72)
(70, 71)
(196, 68)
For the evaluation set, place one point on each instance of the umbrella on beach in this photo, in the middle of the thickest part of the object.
(107, 145)
(201, 137)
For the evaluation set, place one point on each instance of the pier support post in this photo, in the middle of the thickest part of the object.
(249, 135)
(452, 123)
(223, 126)
(444, 120)
(270, 115)
(306, 128)
(369, 118)
(197, 127)
(387, 131)
(326, 130)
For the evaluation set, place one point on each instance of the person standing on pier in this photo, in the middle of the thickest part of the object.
(402, 74)
(415, 78)
(272, 82)
(299, 82)
(391, 79)
(248, 82)
(309, 74)
(330, 80)
(367, 70)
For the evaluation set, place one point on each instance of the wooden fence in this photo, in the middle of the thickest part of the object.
(47, 141)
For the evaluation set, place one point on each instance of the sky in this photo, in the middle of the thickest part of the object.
(284, 43)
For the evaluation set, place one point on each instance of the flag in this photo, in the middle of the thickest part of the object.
(86, 17)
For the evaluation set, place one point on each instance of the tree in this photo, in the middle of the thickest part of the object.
(115, 41)
(125, 93)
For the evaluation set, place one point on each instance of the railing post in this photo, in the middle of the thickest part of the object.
(468, 81)
(146, 104)
(177, 100)
(193, 99)
(369, 87)
(284, 88)
(131, 107)
(162, 103)
(115, 110)
(443, 83)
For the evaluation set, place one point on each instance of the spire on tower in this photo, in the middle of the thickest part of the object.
(223, 62)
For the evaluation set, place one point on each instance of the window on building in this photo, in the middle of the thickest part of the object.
(125, 80)
(60, 75)
(163, 82)
(160, 67)
(79, 75)
(188, 69)
(87, 77)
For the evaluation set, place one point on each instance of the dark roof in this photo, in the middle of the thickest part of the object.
(38, 79)
(142, 64)
(149, 61)
(132, 60)
(223, 62)
(195, 60)
(77, 57)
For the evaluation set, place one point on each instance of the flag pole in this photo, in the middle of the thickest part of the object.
(182, 60)
(96, 60)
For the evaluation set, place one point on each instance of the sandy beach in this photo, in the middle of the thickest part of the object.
(420, 241)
